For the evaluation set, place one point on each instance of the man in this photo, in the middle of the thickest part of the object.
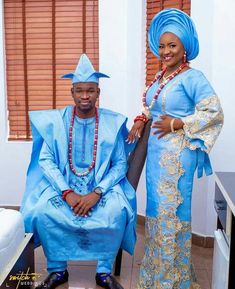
(77, 202)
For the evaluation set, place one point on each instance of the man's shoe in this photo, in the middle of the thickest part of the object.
(109, 282)
(53, 280)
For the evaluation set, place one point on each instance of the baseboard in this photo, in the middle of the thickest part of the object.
(198, 240)
(203, 241)
(17, 208)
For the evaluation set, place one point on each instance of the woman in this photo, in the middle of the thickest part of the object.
(186, 120)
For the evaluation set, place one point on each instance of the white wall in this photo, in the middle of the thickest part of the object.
(223, 78)
(201, 12)
(216, 25)
(122, 56)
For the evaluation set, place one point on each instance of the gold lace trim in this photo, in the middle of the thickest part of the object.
(167, 260)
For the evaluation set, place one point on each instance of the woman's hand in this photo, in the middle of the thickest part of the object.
(135, 132)
(163, 126)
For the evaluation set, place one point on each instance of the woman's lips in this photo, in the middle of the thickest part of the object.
(167, 58)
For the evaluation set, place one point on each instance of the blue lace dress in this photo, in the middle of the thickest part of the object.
(171, 164)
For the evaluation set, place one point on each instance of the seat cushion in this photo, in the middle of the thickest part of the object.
(11, 234)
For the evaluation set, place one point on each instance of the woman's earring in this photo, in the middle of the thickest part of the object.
(184, 57)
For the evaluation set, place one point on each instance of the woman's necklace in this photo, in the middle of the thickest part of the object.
(160, 75)
(71, 141)
(165, 78)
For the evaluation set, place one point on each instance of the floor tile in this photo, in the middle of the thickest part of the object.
(202, 278)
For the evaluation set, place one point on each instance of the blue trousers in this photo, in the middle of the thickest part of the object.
(103, 266)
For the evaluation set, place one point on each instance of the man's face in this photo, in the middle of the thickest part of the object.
(85, 95)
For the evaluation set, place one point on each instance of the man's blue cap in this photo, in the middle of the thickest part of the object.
(84, 72)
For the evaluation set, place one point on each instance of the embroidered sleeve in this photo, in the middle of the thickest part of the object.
(50, 169)
(203, 127)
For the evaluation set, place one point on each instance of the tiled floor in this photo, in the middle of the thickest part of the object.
(81, 274)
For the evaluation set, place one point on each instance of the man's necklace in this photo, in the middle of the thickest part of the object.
(82, 174)
(160, 75)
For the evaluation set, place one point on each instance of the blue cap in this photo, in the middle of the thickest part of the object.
(177, 22)
(84, 72)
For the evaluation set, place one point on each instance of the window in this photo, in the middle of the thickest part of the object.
(43, 40)
(153, 65)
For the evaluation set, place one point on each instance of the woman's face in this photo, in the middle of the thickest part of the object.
(171, 51)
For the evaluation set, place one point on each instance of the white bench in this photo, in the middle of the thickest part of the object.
(16, 251)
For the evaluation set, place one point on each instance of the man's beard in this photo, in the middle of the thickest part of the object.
(85, 108)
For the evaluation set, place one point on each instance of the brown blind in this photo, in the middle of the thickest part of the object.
(153, 65)
(44, 40)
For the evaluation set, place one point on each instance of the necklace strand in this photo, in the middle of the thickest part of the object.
(82, 174)
(167, 77)
(160, 75)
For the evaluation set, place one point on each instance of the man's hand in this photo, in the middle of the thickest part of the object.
(85, 203)
(72, 199)
(136, 131)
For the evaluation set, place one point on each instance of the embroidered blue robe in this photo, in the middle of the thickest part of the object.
(112, 223)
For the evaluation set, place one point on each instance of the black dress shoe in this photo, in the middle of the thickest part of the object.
(53, 280)
(109, 283)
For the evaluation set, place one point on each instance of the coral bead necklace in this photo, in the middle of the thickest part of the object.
(160, 75)
(82, 174)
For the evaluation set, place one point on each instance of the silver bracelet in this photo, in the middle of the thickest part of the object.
(172, 125)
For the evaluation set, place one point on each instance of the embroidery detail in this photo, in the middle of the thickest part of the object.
(77, 220)
(84, 240)
(56, 202)
(156, 269)
(205, 124)
(102, 201)
(167, 260)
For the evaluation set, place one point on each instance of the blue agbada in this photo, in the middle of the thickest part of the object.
(112, 223)
(177, 22)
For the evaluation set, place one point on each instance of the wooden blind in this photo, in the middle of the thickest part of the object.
(43, 40)
(153, 65)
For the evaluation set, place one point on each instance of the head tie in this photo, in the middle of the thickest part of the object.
(177, 22)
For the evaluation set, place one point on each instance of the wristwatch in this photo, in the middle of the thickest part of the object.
(98, 191)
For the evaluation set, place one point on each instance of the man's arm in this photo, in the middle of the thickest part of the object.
(51, 170)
